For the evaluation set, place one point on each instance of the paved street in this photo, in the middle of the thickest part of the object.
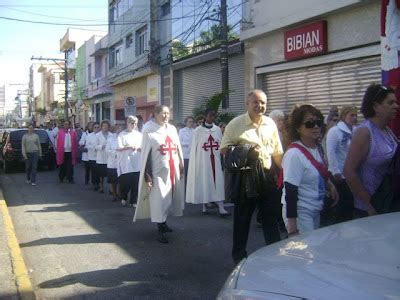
(78, 244)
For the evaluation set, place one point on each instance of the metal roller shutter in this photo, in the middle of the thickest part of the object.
(236, 85)
(337, 83)
(193, 85)
(198, 83)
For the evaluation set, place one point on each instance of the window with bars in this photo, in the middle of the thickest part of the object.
(141, 40)
(129, 40)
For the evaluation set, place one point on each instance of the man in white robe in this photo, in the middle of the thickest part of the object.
(161, 184)
(205, 181)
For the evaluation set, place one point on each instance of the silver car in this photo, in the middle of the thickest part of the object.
(359, 259)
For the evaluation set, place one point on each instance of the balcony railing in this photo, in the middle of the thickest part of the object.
(99, 86)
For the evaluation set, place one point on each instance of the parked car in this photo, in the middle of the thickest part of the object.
(358, 259)
(11, 153)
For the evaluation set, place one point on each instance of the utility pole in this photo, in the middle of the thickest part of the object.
(66, 85)
(224, 57)
(65, 60)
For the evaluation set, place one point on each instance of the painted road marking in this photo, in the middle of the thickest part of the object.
(21, 275)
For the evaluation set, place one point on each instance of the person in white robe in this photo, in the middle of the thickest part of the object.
(90, 145)
(129, 161)
(84, 150)
(185, 137)
(101, 155)
(112, 161)
(161, 185)
(205, 178)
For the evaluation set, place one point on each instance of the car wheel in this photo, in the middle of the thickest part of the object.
(6, 166)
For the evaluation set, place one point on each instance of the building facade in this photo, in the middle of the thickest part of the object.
(197, 78)
(321, 52)
(98, 90)
(52, 90)
(70, 43)
(134, 56)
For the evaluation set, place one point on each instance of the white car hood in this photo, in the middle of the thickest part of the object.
(360, 258)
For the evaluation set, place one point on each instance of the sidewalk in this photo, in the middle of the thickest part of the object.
(14, 280)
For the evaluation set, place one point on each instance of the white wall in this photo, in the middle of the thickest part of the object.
(267, 15)
(348, 28)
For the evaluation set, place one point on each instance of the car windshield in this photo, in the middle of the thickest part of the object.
(16, 136)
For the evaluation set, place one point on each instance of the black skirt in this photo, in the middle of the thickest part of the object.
(101, 170)
(112, 176)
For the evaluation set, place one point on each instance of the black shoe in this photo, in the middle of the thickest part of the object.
(167, 229)
(224, 215)
(96, 188)
(115, 199)
(71, 181)
(61, 180)
(162, 238)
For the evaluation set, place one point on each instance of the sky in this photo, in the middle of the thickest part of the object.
(20, 40)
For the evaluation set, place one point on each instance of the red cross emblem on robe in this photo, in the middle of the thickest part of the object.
(170, 148)
(211, 144)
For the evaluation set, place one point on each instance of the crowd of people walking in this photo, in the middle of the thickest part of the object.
(291, 168)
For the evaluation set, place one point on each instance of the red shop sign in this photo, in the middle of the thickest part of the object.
(305, 41)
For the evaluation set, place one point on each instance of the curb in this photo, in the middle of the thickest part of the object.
(21, 275)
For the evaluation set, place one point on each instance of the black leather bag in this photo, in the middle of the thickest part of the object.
(236, 158)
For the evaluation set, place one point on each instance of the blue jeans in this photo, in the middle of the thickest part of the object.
(31, 166)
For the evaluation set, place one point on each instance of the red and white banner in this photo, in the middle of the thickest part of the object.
(305, 41)
(390, 53)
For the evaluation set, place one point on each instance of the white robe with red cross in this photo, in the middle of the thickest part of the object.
(205, 181)
(161, 148)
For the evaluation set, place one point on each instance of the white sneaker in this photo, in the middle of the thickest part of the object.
(123, 202)
(33, 183)
(28, 181)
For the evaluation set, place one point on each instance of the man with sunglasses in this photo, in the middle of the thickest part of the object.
(258, 132)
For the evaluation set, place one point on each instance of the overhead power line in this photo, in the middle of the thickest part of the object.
(99, 24)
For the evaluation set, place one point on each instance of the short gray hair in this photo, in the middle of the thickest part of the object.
(131, 119)
(277, 114)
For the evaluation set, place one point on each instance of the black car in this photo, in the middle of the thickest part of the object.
(11, 153)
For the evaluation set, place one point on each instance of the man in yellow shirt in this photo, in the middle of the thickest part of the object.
(259, 132)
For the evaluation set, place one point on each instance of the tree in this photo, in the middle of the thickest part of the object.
(211, 38)
(214, 102)
(179, 50)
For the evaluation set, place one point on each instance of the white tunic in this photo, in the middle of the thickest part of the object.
(82, 142)
(91, 145)
(111, 150)
(185, 137)
(129, 161)
(166, 197)
(205, 181)
(101, 142)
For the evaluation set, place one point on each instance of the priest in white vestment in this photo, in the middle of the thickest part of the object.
(161, 184)
(205, 178)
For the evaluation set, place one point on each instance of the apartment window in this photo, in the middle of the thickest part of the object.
(165, 9)
(128, 40)
(114, 55)
(98, 67)
(89, 73)
(118, 59)
(141, 40)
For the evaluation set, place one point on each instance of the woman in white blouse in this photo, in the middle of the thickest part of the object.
(337, 145)
(101, 154)
(185, 137)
